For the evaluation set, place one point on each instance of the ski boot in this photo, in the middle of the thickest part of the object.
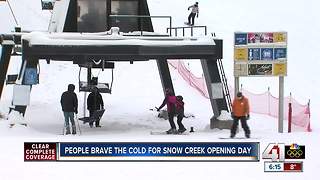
(74, 131)
(247, 135)
(232, 135)
(182, 130)
(172, 131)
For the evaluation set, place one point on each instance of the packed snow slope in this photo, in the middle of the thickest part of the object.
(137, 88)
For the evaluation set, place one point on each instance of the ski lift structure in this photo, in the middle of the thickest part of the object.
(77, 33)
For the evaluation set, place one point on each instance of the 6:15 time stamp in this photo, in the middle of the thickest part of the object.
(282, 166)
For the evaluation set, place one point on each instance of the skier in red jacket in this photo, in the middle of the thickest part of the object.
(170, 101)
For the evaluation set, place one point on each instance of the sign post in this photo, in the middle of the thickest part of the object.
(281, 104)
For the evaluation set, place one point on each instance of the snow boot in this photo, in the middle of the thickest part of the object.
(68, 131)
(172, 131)
(247, 135)
(74, 130)
(182, 130)
(232, 135)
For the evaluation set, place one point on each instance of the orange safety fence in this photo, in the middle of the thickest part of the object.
(263, 103)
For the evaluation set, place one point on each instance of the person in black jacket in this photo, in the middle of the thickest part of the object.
(69, 104)
(94, 103)
(180, 113)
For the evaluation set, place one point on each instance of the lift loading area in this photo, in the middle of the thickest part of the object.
(102, 50)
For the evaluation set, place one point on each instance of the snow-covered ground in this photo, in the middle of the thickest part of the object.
(137, 88)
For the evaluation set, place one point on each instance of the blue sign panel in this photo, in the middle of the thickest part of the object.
(240, 39)
(266, 53)
(31, 76)
(254, 54)
(280, 53)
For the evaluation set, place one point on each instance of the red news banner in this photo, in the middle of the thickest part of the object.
(40, 151)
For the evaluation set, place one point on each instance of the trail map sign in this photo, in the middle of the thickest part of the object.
(260, 54)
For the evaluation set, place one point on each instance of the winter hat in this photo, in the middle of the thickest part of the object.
(71, 87)
(179, 98)
(168, 91)
(239, 94)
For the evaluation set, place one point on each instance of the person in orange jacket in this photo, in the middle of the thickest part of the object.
(240, 111)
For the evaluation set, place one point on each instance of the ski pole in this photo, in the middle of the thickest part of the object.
(78, 124)
(63, 129)
(153, 109)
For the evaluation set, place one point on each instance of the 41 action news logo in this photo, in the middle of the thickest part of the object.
(280, 152)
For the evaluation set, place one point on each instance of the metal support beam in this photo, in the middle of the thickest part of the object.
(26, 63)
(5, 54)
(89, 75)
(165, 75)
(208, 79)
(215, 89)
(281, 104)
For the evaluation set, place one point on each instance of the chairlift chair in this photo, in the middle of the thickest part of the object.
(87, 86)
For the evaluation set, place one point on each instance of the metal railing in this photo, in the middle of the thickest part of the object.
(141, 17)
(183, 29)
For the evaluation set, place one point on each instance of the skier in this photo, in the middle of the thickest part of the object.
(194, 12)
(170, 101)
(180, 113)
(94, 103)
(69, 104)
(240, 111)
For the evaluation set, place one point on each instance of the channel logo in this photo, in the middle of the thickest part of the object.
(280, 152)
(295, 151)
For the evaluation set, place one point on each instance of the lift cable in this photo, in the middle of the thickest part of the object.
(15, 19)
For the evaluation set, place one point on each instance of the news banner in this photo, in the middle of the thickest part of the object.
(279, 153)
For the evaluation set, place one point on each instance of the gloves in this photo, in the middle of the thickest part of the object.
(76, 111)
(232, 115)
(197, 15)
(248, 117)
(157, 109)
(188, 9)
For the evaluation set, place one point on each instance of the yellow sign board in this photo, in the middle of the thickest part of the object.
(279, 37)
(260, 54)
(241, 54)
(280, 69)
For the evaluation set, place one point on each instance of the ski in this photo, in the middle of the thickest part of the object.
(238, 138)
(165, 133)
